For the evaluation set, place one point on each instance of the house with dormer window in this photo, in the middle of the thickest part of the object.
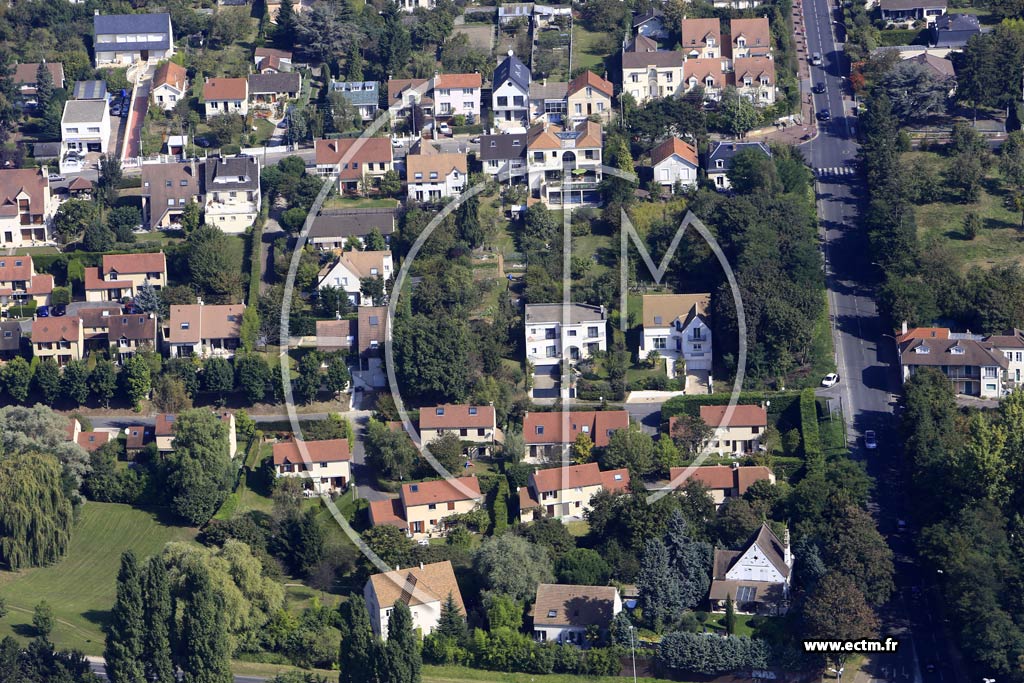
(751, 38)
(203, 330)
(475, 425)
(676, 326)
(326, 464)
(434, 176)
(756, 577)
(566, 491)
(974, 366)
(421, 508)
(121, 275)
(708, 74)
(26, 207)
(19, 282)
(352, 267)
(549, 435)
(566, 614)
(755, 79)
(701, 38)
(233, 195)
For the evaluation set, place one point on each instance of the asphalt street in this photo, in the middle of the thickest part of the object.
(867, 364)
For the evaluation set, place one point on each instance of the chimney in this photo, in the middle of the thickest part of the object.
(544, 82)
(734, 465)
(421, 566)
(95, 12)
(904, 327)
(788, 556)
(509, 50)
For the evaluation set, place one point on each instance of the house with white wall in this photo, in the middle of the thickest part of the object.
(326, 464)
(675, 162)
(457, 95)
(433, 176)
(557, 332)
(123, 39)
(476, 426)
(226, 96)
(510, 92)
(564, 614)
(756, 577)
(421, 508)
(26, 207)
(352, 267)
(424, 589)
(564, 165)
(676, 326)
(170, 85)
(85, 126)
(565, 492)
(233, 195)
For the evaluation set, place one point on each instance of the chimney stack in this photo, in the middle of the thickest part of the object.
(904, 327)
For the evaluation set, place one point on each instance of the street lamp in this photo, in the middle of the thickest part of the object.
(632, 648)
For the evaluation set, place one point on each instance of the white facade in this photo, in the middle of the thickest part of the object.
(549, 340)
(691, 342)
(348, 275)
(428, 186)
(674, 170)
(85, 125)
(455, 100)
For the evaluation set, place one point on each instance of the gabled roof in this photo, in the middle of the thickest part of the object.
(586, 134)
(92, 441)
(663, 310)
(588, 79)
(457, 81)
(548, 90)
(755, 68)
(272, 84)
(539, 314)
(232, 173)
(642, 44)
(372, 327)
(579, 476)
(217, 89)
(329, 450)
(440, 491)
(726, 150)
(417, 585)
(511, 69)
(170, 74)
(333, 335)
(702, 69)
(135, 327)
(358, 93)
(502, 147)
(567, 605)
(163, 424)
(441, 163)
(138, 436)
(770, 546)
(641, 19)
(397, 86)
(156, 26)
(954, 352)
(756, 32)
(56, 329)
(334, 223)
(192, 323)
(543, 428)
(170, 186)
(742, 416)
(135, 263)
(695, 32)
(98, 317)
(724, 477)
(26, 74)
(16, 268)
(674, 147)
(456, 416)
(261, 52)
(661, 59)
(17, 181)
(361, 263)
(938, 65)
(353, 151)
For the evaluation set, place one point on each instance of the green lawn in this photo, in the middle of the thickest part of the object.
(1000, 240)
(336, 202)
(264, 130)
(586, 50)
(451, 674)
(81, 587)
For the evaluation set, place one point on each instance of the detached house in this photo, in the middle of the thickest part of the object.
(755, 79)
(912, 10)
(564, 164)
(675, 162)
(720, 158)
(739, 433)
(163, 431)
(723, 481)
(566, 614)
(433, 176)
(648, 75)
(364, 96)
(751, 38)
(352, 267)
(329, 467)
(555, 332)
(267, 88)
(26, 78)
(650, 24)
(166, 191)
(410, 98)
(122, 275)
(26, 207)
(676, 326)
(503, 156)
(424, 589)
(85, 126)
(122, 39)
(267, 59)
(233, 195)
(549, 435)
(457, 95)
(756, 577)
(356, 161)
(58, 338)
(170, 85)
(203, 330)
(226, 96)
(701, 38)
(474, 425)
(974, 367)
(589, 95)
(510, 92)
(421, 508)
(332, 228)
(954, 30)
(566, 491)
(19, 282)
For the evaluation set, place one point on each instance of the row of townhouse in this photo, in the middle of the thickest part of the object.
(227, 189)
(986, 366)
(441, 98)
(744, 62)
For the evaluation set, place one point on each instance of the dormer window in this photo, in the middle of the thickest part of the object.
(185, 325)
(440, 411)
(657, 320)
(923, 348)
(472, 410)
(957, 350)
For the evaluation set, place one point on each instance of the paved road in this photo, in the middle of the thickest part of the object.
(866, 362)
(98, 667)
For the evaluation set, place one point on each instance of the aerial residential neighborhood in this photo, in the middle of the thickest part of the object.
(433, 341)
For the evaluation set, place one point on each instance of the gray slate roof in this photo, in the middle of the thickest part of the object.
(511, 69)
(727, 150)
(352, 222)
(46, 150)
(368, 92)
(222, 173)
(261, 84)
(502, 147)
(106, 24)
(10, 335)
(662, 58)
(83, 111)
(553, 313)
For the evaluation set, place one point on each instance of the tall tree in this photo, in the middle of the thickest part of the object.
(125, 636)
(103, 381)
(403, 661)
(359, 656)
(658, 587)
(836, 610)
(35, 513)
(17, 379)
(158, 613)
(452, 622)
(110, 174)
(690, 559)
(284, 34)
(46, 380)
(74, 382)
(203, 653)
(44, 86)
(395, 44)
(137, 380)
(200, 467)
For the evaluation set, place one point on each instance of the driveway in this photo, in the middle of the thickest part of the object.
(545, 382)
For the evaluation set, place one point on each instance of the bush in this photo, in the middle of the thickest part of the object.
(26, 310)
(500, 507)
(813, 453)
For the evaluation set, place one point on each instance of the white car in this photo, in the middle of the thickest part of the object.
(831, 379)
(870, 440)
(56, 178)
(444, 129)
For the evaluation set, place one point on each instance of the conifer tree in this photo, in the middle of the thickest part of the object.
(203, 641)
(360, 654)
(452, 623)
(158, 612)
(124, 649)
(403, 660)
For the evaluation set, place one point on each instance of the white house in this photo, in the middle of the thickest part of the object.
(226, 96)
(352, 267)
(424, 589)
(756, 577)
(701, 38)
(565, 492)
(26, 208)
(232, 192)
(170, 85)
(564, 164)
(557, 332)
(85, 126)
(329, 466)
(433, 176)
(675, 325)
(510, 93)
(121, 39)
(564, 613)
(675, 162)
(457, 95)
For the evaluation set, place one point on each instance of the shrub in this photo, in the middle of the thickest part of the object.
(813, 453)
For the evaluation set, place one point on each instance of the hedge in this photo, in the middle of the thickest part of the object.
(499, 507)
(26, 310)
(813, 453)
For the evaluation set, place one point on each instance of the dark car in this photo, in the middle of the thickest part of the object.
(824, 115)
(59, 310)
(115, 110)
(818, 88)
(43, 312)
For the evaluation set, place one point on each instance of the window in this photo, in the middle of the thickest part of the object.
(585, 429)
(433, 175)
(440, 411)
(540, 429)
(516, 143)
(579, 108)
(552, 613)
(660, 343)
(184, 183)
(572, 333)
(592, 331)
(472, 410)
(432, 506)
(323, 465)
(451, 505)
(502, 102)
(185, 325)
(168, 183)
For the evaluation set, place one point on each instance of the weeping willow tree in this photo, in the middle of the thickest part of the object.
(35, 514)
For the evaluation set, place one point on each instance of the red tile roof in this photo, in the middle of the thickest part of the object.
(353, 151)
(16, 268)
(56, 329)
(388, 512)
(440, 491)
(577, 476)
(724, 477)
(92, 441)
(330, 450)
(924, 333)
(675, 146)
(457, 81)
(135, 263)
(591, 80)
(456, 417)
(170, 74)
(14, 181)
(216, 89)
(596, 423)
(138, 436)
(742, 416)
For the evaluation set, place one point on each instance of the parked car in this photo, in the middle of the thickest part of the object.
(43, 312)
(475, 140)
(818, 88)
(115, 110)
(870, 440)
(59, 310)
(56, 178)
(830, 380)
(824, 115)
(444, 129)
(816, 59)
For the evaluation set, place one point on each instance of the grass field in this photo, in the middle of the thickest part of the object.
(586, 50)
(336, 202)
(81, 587)
(1000, 241)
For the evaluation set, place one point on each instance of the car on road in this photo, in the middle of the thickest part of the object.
(830, 380)
(816, 59)
(824, 115)
(43, 312)
(56, 178)
(476, 140)
(818, 88)
(870, 440)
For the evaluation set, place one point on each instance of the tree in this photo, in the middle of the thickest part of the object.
(158, 616)
(853, 543)
(752, 171)
(691, 433)
(103, 381)
(203, 643)
(17, 377)
(337, 378)
(373, 289)
(630, 448)
(736, 522)
(200, 468)
(432, 357)
(98, 238)
(46, 380)
(389, 544)
(122, 221)
(213, 266)
(659, 591)
(218, 377)
(581, 448)
(375, 241)
(452, 622)
(972, 225)
(72, 218)
(402, 659)
(304, 536)
(360, 653)
(137, 380)
(510, 565)
(125, 635)
(691, 561)
(739, 113)
(447, 450)
(42, 619)
(284, 33)
(74, 382)
(392, 454)
(1011, 159)
(582, 567)
(395, 44)
(836, 610)
(191, 218)
(170, 396)
(306, 386)
(110, 175)
(44, 85)
(730, 616)
(252, 375)
(915, 90)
